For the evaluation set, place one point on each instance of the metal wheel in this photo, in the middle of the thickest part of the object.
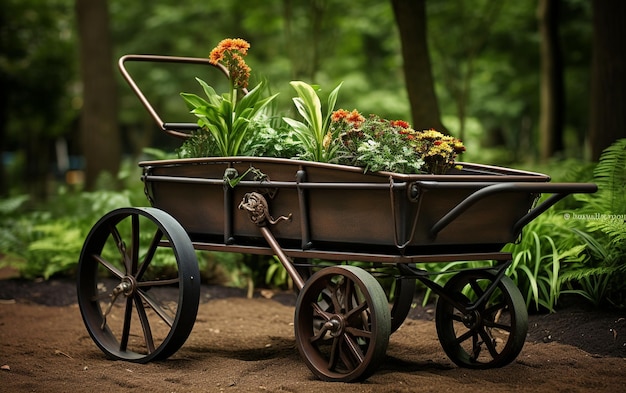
(479, 331)
(403, 291)
(342, 324)
(138, 300)
(399, 290)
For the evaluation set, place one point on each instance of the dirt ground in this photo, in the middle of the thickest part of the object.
(241, 345)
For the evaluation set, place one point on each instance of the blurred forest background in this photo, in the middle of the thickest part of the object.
(532, 84)
(517, 81)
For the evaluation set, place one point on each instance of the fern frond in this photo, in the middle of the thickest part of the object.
(610, 175)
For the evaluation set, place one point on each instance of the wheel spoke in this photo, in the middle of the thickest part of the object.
(477, 289)
(319, 312)
(463, 337)
(134, 247)
(332, 289)
(154, 305)
(489, 343)
(108, 265)
(334, 354)
(347, 361)
(154, 244)
(121, 247)
(457, 317)
(354, 348)
(156, 283)
(491, 310)
(128, 310)
(356, 310)
(496, 325)
(145, 324)
(359, 332)
(476, 347)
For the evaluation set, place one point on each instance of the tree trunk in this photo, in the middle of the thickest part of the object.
(551, 90)
(100, 137)
(608, 75)
(410, 17)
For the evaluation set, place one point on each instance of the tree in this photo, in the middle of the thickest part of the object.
(411, 19)
(608, 75)
(36, 68)
(100, 137)
(552, 88)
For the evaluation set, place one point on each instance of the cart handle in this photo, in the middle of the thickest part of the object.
(173, 129)
(558, 191)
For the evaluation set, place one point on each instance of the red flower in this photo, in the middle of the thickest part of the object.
(400, 123)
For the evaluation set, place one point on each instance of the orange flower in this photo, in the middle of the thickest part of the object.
(355, 118)
(400, 123)
(230, 51)
(339, 114)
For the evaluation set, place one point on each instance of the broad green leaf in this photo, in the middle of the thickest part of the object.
(193, 101)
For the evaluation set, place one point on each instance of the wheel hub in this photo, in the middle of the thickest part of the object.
(335, 325)
(471, 319)
(127, 286)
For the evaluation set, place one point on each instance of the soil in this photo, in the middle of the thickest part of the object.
(240, 345)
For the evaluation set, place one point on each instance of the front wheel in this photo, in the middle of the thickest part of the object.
(342, 324)
(138, 284)
(478, 329)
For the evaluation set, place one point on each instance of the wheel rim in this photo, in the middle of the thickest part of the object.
(138, 300)
(342, 324)
(399, 291)
(403, 293)
(491, 334)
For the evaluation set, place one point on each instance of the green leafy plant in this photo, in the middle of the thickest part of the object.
(314, 132)
(228, 118)
(392, 145)
(537, 268)
(599, 223)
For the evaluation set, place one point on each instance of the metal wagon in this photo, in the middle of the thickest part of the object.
(137, 308)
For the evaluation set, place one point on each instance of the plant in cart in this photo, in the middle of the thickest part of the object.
(379, 144)
(227, 120)
(241, 123)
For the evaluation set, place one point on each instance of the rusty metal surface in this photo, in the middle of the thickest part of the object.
(333, 207)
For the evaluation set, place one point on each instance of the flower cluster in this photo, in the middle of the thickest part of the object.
(226, 121)
(230, 53)
(241, 122)
(381, 144)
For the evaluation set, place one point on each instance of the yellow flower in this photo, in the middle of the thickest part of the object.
(327, 139)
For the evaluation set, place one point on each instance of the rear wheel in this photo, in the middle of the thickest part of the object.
(478, 329)
(138, 299)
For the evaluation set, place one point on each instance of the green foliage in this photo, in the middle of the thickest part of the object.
(391, 155)
(443, 271)
(600, 224)
(45, 242)
(578, 247)
(314, 132)
(538, 263)
(272, 138)
(610, 175)
(227, 118)
(276, 275)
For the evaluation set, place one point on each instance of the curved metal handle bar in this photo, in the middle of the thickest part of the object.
(559, 191)
(170, 128)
